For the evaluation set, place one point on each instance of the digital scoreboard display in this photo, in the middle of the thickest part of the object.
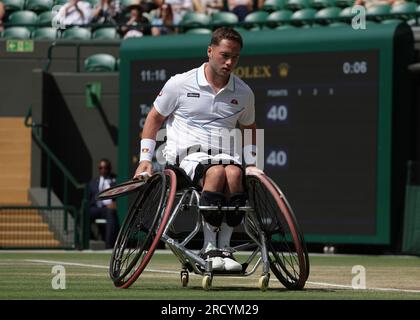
(326, 99)
(319, 117)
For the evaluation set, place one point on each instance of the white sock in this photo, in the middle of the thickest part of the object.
(210, 234)
(225, 234)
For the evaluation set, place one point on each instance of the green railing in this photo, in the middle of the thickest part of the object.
(68, 179)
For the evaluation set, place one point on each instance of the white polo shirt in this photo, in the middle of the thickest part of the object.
(197, 115)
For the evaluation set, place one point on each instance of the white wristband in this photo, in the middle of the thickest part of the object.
(250, 154)
(147, 148)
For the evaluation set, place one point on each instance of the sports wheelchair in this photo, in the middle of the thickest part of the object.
(275, 240)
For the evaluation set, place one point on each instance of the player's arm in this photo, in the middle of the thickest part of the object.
(152, 125)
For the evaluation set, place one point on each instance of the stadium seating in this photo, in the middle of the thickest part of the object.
(13, 5)
(344, 3)
(378, 12)
(60, 2)
(45, 18)
(199, 31)
(108, 33)
(100, 62)
(195, 19)
(328, 15)
(347, 13)
(16, 33)
(223, 17)
(301, 17)
(46, 33)
(254, 19)
(39, 5)
(404, 10)
(76, 33)
(320, 4)
(25, 18)
(285, 27)
(273, 5)
(278, 18)
(295, 5)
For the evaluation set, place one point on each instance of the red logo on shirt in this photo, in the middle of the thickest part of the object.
(234, 101)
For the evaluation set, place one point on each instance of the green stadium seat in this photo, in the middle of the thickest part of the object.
(17, 33)
(241, 30)
(347, 13)
(273, 5)
(195, 19)
(23, 18)
(338, 24)
(100, 62)
(223, 17)
(13, 5)
(320, 4)
(45, 18)
(254, 19)
(299, 17)
(105, 34)
(404, 10)
(295, 5)
(93, 3)
(60, 2)
(378, 12)
(328, 15)
(392, 20)
(76, 33)
(344, 3)
(45, 33)
(280, 17)
(199, 31)
(39, 5)
(285, 27)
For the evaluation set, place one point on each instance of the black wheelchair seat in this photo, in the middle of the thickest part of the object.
(183, 180)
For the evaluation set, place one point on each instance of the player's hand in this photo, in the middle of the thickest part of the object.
(253, 170)
(144, 169)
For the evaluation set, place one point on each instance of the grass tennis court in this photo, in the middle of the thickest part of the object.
(27, 275)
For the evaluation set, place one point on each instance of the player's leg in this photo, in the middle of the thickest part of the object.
(212, 195)
(234, 190)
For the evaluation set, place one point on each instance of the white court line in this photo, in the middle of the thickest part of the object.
(324, 284)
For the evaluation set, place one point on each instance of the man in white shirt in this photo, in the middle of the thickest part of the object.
(74, 12)
(201, 106)
(104, 209)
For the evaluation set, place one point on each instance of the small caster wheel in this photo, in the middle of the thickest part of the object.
(263, 282)
(184, 279)
(206, 283)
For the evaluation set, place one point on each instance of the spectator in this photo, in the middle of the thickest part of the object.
(105, 209)
(136, 25)
(370, 3)
(180, 8)
(240, 7)
(212, 6)
(163, 23)
(2, 13)
(104, 12)
(74, 12)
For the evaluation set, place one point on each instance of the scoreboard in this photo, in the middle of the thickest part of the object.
(325, 102)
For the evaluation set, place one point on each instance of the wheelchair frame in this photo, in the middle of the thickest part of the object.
(188, 198)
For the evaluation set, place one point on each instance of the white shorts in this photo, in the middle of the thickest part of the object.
(195, 164)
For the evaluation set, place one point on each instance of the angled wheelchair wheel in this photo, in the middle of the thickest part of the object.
(287, 252)
(142, 229)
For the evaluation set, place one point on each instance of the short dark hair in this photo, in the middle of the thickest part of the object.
(225, 33)
(107, 163)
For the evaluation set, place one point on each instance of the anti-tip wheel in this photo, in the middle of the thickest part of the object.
(184, 280)
(206, 283)
(263, 282)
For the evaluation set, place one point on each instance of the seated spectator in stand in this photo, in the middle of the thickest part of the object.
(2, 13)
(370, 3)
(180, 8)
(105, 209)
(163, 23)
(74, 12)
(240, 7)
(212, 6)
(104, 12)
(136, 24)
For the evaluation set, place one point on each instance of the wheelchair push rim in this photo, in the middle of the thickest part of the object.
(145, 222)
(286, 247)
